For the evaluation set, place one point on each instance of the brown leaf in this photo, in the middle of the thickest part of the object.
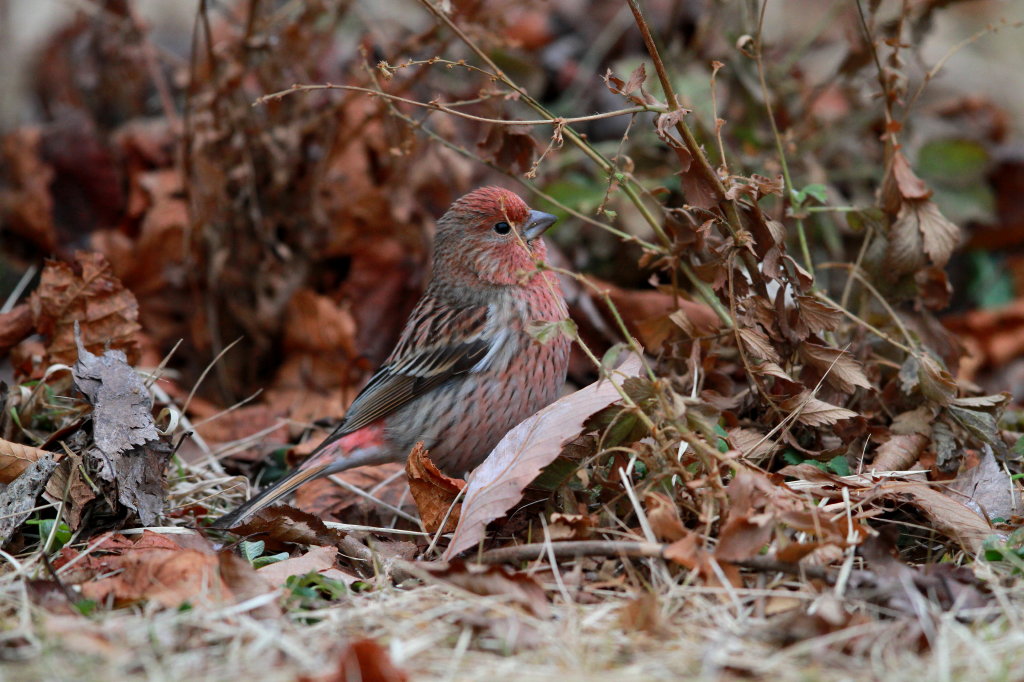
(691, 554)
(901, 183)
(151, 568)
(663, 515)
(15, 326)
(245, 583)
(936, 383)
(15, 458)
(282, 523)
(814, 412)
(316, 323)
(70, 484)
(752, 443)
(758, 344)
(840, 369)
(816, 316)
(571, 526)
(86, 292)
(921, 226)
(434, 492)
(26, 206)
(364, 660)
(509, 147)
(317, 560)
(899, 452)
(987, 489)
(950, 516)
(516, 587)
(497, 484)
(635, 83)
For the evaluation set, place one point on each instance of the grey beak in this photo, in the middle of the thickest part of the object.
(537, 223)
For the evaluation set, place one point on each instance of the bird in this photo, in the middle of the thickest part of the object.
(466, 368)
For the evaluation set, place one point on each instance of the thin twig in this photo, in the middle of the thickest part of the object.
(572, 549)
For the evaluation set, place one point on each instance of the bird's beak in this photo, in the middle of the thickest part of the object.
(537, 222)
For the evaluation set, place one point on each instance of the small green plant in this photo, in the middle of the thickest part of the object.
(253, 553)
(46, 527)
(1006, 555)
(837, 465)
(313, 590)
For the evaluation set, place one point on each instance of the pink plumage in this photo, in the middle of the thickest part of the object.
(465, 369)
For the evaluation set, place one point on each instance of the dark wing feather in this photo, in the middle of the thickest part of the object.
(424, 359)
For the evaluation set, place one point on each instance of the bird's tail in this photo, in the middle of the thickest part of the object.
(327, 462)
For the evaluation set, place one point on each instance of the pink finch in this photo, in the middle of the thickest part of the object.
(466, 369)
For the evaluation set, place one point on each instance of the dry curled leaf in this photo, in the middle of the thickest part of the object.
(899, 452)
(435, 493)
(920, 234)
(814, 412)
(128, 450)
(497, 484)
(840, 369)
(87, 292)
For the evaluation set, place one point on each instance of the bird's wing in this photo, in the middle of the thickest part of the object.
(438, 344)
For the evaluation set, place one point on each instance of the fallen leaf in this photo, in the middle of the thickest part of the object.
(814, 412)
(151, 568)
(284, 524)
(434, 492)
(18, 500)
(495, 580)
(15, 326)
(128, 450)
(899, 452)
(987, 489)
(950, 516)
(16, 458)
(816, 316)
(840, 369)
(316, 560)
(497, 484)
(86, 292)
(758, 345)
(364, 660)
(663, 516)
(26, 206)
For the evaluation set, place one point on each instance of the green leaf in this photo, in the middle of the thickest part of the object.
(252, 549)
(544, 330)
(313, 587)
(1018, 448)
(816, 191)
(990, 284)
(838, 465)
(260, 562)
(954, 162)
(60, 537)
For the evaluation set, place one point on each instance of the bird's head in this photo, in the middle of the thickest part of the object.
(493, 234)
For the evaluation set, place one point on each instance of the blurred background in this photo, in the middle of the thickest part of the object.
(298, 229)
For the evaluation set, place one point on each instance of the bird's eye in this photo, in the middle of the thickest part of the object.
(502, 227)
